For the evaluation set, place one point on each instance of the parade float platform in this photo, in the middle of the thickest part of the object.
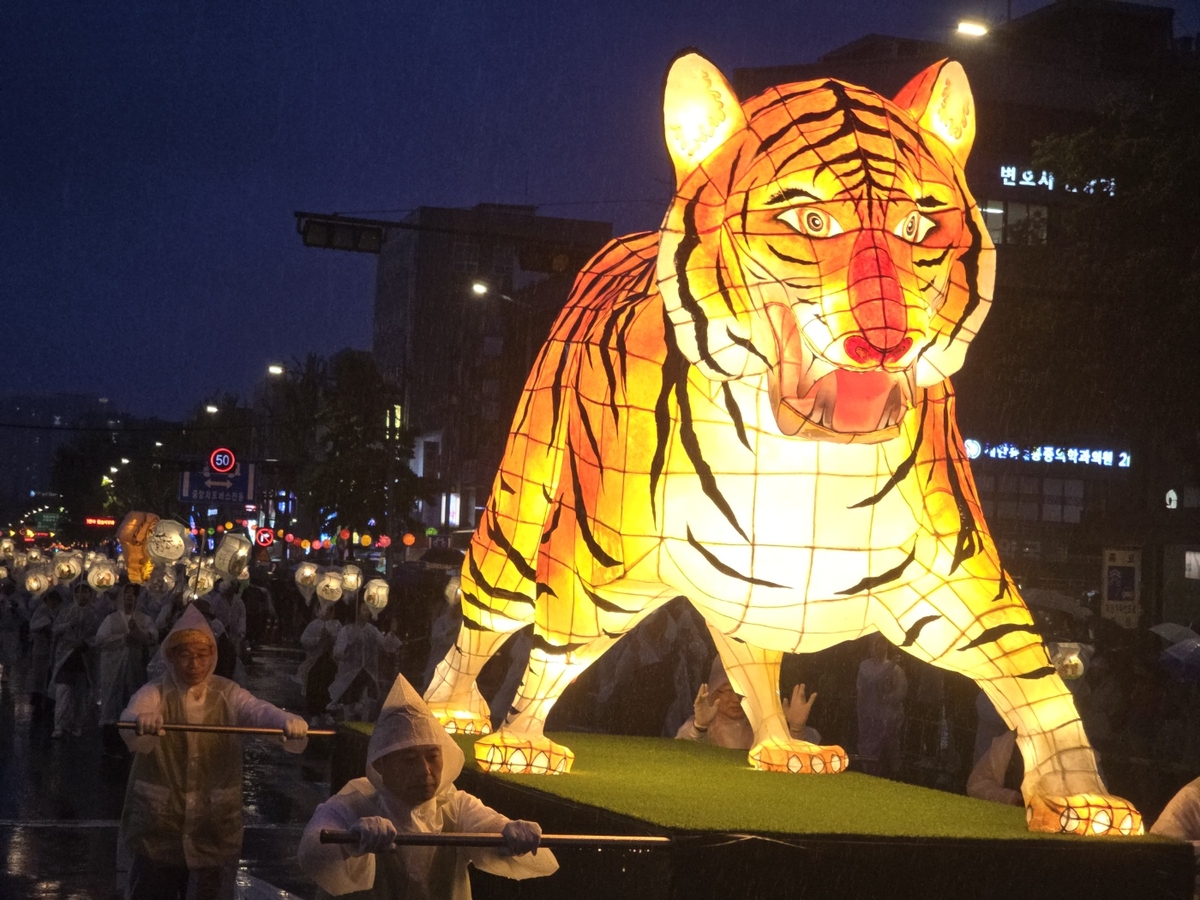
(740, 833)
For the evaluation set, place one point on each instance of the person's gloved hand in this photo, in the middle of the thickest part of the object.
(295, 729)
(150, 723)
(521, 837)
(375, 835)
(703, 709)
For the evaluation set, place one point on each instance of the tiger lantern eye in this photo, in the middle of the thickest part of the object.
(914, 227)
(811, 222)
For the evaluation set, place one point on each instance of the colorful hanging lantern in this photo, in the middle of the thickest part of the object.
(752, 408)
(384, 542)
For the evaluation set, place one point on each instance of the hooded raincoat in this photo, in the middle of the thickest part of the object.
(41, 625)
(415, 873)
(183, 805)
(126, 643)
(357, 650)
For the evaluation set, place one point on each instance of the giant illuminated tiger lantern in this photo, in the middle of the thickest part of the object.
(751, 407)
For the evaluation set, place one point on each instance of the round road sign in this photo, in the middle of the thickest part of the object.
(264, 537)
(222, 460)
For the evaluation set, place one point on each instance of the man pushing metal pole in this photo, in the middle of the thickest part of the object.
(182, 819)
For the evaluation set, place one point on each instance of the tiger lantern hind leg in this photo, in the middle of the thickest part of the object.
(754, 674)
(974, 623)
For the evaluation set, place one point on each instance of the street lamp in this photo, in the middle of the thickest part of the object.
(211, 409)
(972, 28)
(274, 369)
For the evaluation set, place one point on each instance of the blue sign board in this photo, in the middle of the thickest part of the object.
(207, 486)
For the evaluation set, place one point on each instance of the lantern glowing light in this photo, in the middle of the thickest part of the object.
(329, 585)
(68, 567)
(752, 408)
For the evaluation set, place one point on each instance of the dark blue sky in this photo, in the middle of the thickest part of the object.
(152, 153)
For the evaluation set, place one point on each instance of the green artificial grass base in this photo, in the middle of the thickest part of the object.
(695, 787)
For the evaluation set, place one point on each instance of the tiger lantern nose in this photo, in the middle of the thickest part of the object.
(877, 303)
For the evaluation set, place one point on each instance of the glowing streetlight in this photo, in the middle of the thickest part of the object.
(274, 369)
(479, 287)
(210, 409)
(971, 28)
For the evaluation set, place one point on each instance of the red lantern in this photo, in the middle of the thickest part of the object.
(290, 538)
(384, 541)
(409, 539)
(344, 534)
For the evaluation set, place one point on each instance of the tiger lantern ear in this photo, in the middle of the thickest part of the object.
(700, 112)
(940, 100)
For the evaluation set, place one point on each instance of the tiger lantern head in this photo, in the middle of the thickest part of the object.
(838, 252)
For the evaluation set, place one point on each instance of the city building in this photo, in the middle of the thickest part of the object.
(1081, 509)
(464, 299)
(32, 428)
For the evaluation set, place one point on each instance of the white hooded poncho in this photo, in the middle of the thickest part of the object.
(428, 873)
(183, 806)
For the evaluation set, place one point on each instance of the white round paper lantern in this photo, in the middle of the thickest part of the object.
(306, 579)
(329, 585)
(351, 578)
(232, 555)
(39, 578)
(376, 595)
(7, 548)
(34, 554)
(169, 542)
(3, 572)
(102, 575)
(68, 566)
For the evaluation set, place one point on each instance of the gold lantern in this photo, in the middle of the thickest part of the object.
(133, 533)
(68, 566)
(39, 578)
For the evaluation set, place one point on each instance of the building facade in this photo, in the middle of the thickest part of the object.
(464, 299)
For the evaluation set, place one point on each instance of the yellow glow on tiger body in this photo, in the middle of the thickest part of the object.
(751, 407)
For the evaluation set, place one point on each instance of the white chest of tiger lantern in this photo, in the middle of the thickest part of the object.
(752, 407)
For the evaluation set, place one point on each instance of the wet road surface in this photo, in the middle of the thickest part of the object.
(60, 800)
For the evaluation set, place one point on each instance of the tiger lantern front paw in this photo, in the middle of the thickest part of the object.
(463, 718)
(1084, 814)
(774, 755)
(522, 755)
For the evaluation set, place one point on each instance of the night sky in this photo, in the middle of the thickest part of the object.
(152, 154)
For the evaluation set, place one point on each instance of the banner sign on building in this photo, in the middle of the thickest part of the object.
(1122, 597)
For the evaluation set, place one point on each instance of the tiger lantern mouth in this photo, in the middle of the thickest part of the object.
(863, 400)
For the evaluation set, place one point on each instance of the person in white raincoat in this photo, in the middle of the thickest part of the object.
(125, 639)
(182, 819)
(41, 651)
(12, 615)
(73, 630)
(718, 717)
(409, 788)
(318, 640)
(357, 651)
